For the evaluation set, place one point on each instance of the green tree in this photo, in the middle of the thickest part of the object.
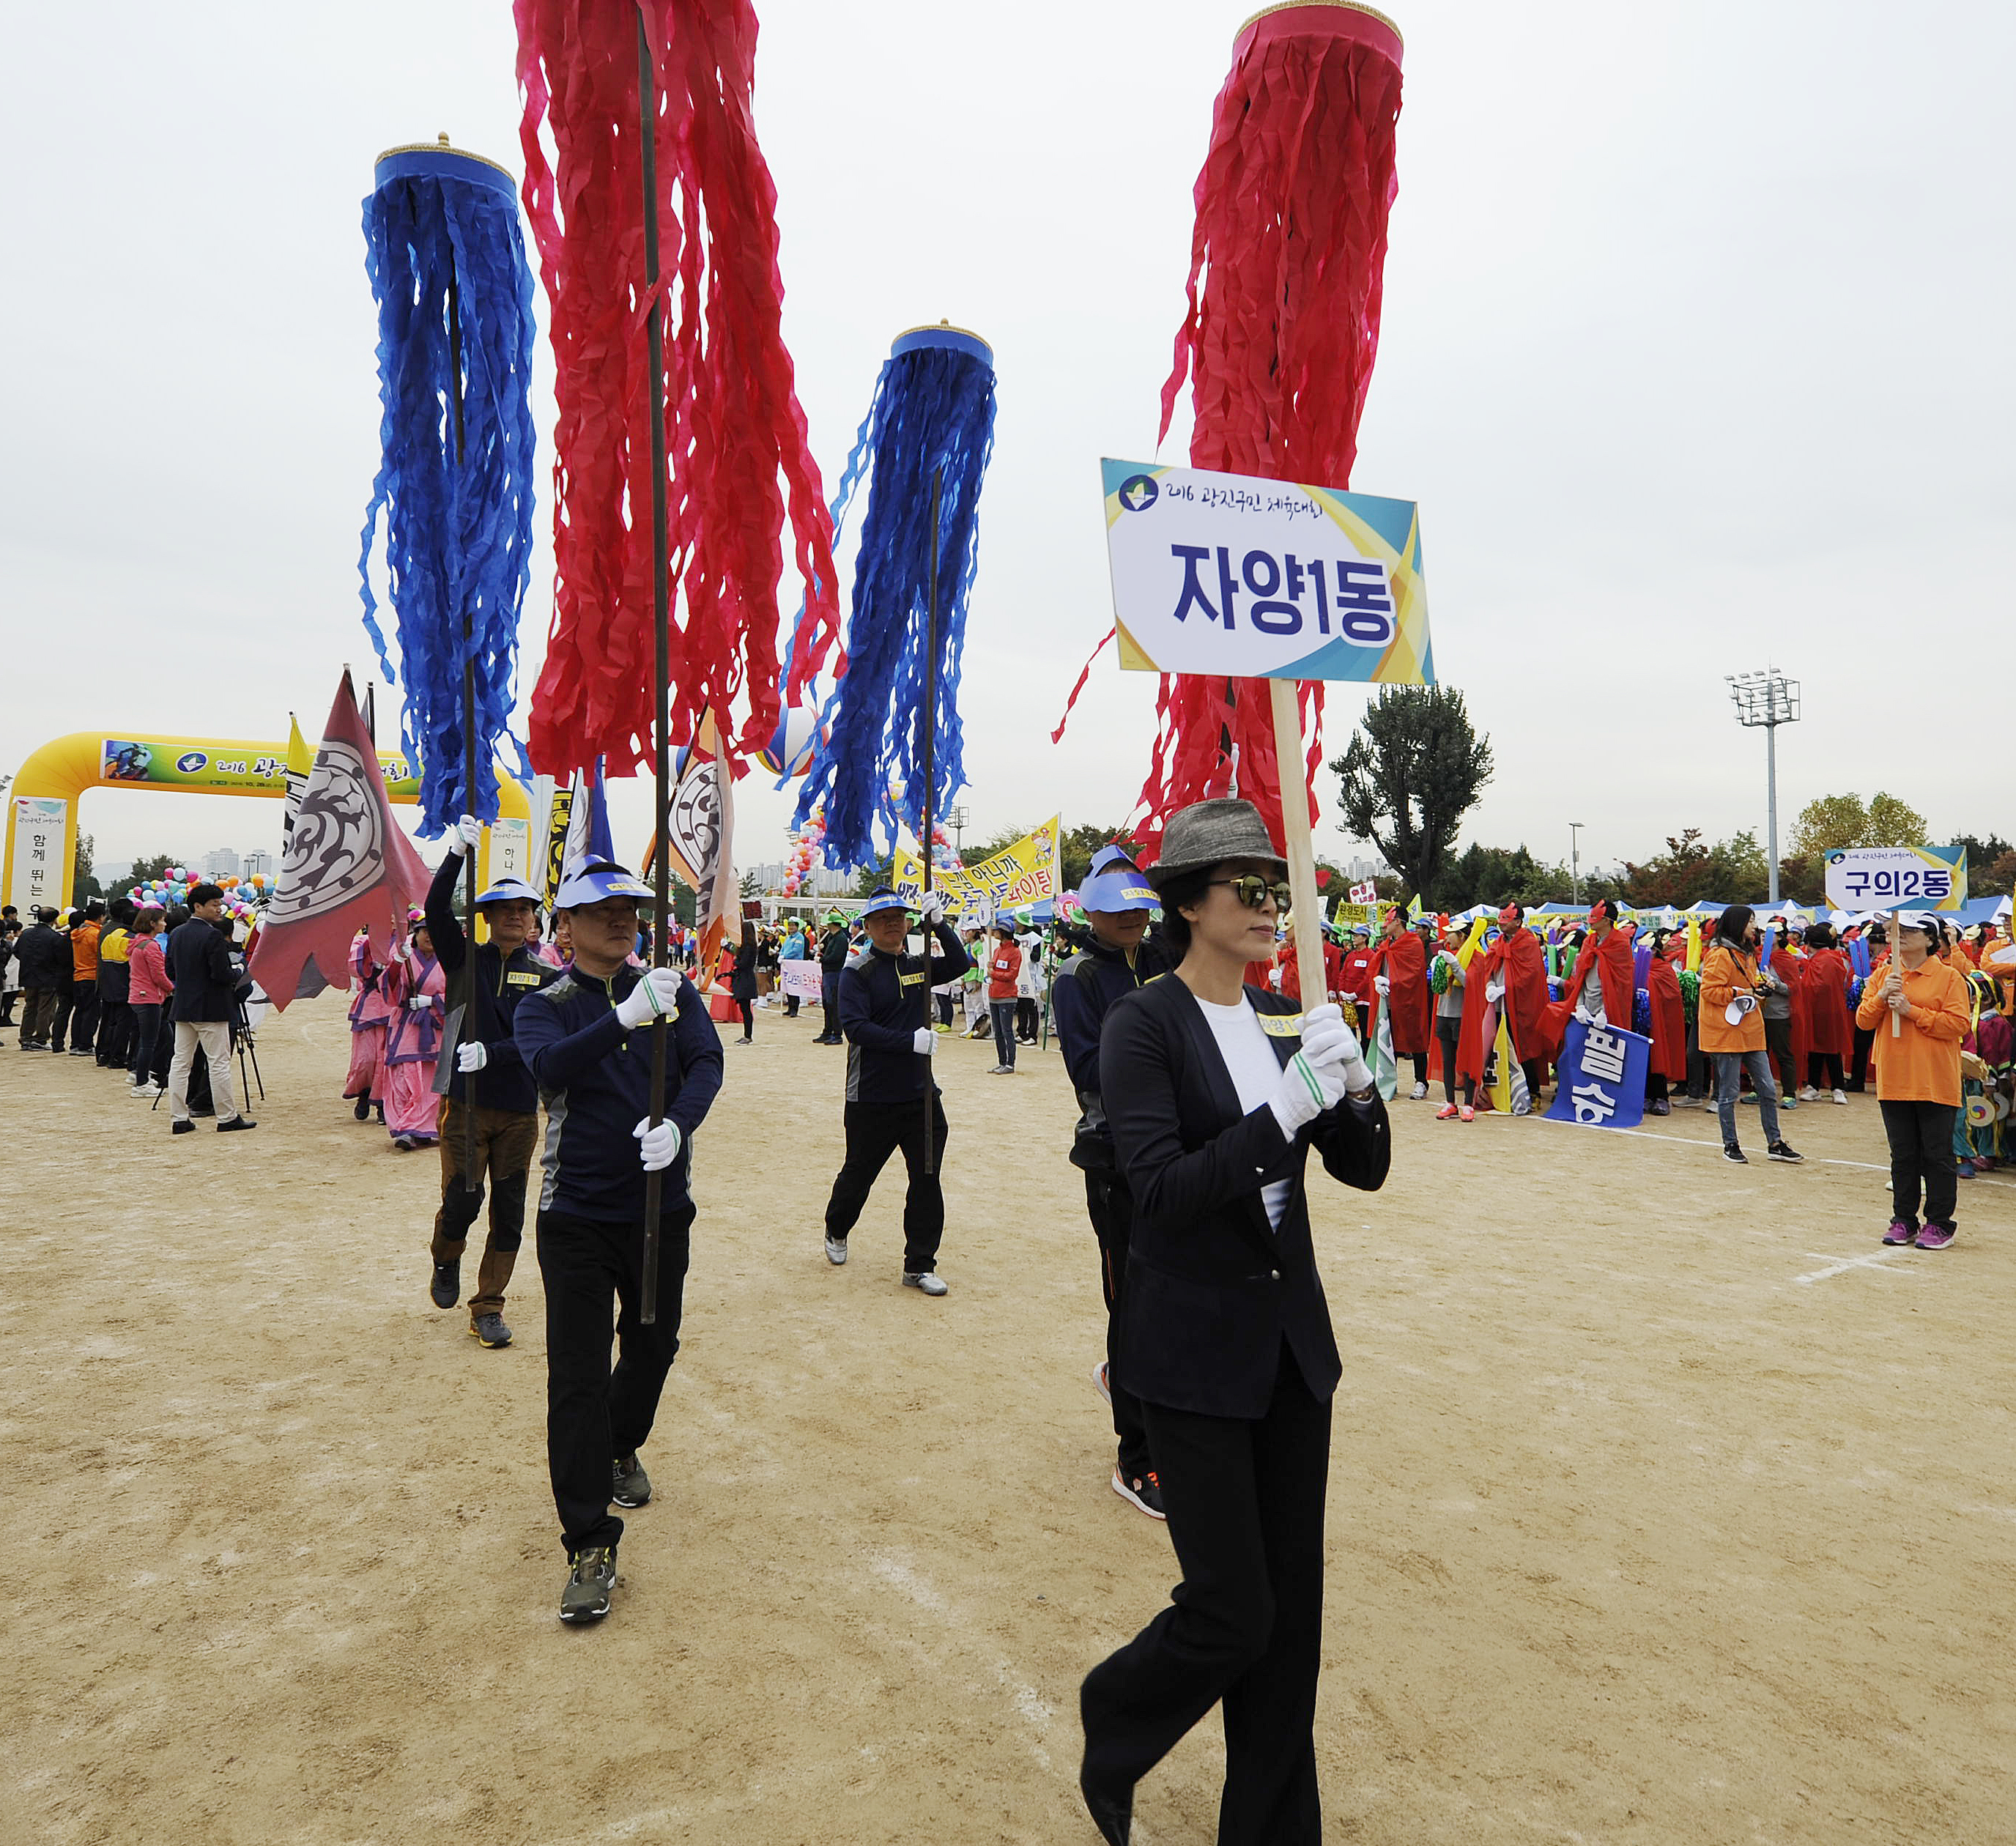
(1829, 822)
(155, 865)
(1413, 769)
(83, 886)
(1893, 822)
(1493, 875)
(1076, 846)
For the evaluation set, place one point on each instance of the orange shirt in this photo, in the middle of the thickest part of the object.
(83, 951)
(1921, 1064)
(1724, 974)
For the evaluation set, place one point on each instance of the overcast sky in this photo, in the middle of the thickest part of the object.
(1696, 355)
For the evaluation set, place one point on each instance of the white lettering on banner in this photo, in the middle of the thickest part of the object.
(1603, 1056)
(1593, 1105)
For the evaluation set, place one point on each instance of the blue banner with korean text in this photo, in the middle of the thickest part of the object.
(1601, 1078)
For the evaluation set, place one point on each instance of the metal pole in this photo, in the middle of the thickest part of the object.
(647, 118)
(472, 1181)
(929, 718)
(1771, 796)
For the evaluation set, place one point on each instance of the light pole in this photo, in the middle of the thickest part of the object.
(1574, 860)
(955, 819)
(1768, 699)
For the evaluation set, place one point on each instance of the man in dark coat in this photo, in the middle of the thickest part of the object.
(44, 957)
(206, 985)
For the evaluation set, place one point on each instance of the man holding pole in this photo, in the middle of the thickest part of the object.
(487, 1077)
(885, 1012)
(585, 1040)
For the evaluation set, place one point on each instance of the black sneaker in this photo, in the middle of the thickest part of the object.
(1781, 1150)
(1142, 1490)
(586, 1597)
(629, 1484)
(445, 1290)
(362, 1111)
(1731, 1151)
(489, 1328)
(183, 1128)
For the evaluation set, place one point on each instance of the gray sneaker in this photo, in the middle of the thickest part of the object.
(925, 1281)
(489, 1328)
(586, 1597)
(836, 1251)
(445, 1290)
(629, 1484)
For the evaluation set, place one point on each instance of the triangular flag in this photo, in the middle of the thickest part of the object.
(588, 837)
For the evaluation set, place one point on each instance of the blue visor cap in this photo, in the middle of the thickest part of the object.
(592, 883)
(508, 891)
(882, 899)
(1115, 883)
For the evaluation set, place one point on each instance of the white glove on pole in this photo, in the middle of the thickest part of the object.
(1494, 992)
(1381, 986)
(655, 994)
(656, 1148)
(472, 1056)
(922, 1041)
(468, 835)
(421, 1002)
(1327, 1042)
(1305, 1092)
(932, 906)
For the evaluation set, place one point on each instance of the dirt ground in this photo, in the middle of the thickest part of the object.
(1651, 1522)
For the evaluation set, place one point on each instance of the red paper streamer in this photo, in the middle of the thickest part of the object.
(1279, 343)
(733, 420)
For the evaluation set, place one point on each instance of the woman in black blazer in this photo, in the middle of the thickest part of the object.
(1216, 1092)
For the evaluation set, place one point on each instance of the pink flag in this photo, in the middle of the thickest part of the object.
(347, 866)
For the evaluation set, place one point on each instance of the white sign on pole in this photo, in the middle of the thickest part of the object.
(1897, 877)
(40, 875)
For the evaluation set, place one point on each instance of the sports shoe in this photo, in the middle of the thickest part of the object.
(1781, 1150)
(1731, 1151)
(1808, 1093)
(235, 1123)
(586, 1597)
(1142, 1491)
(1788, 1103)
(489, 1328)
(1840, 1096)
(1687, 1101)
(1467, 1113)
(1935, 1236)
(82, 1051)
(1446, 1113)
(1100, 1383)
(1749, 1095)
(362, 1111)
(1661, 1107)
(445, 1289)
(925, 1281)
(182, 1127)
(1900, 1231)
(629, 1484)
(146, 1092)
(836, 1251)
(1002, 1070)
(1962, 1169)
(1417, 1092)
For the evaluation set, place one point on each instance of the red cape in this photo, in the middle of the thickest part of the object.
(1669, 1020)
(1405, 964)
(1613, 963)
(1519, 961)
(1828, 1025)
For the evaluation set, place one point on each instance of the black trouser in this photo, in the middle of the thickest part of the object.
(1110, 1207)
(830, 1004)
(1448, 1031)
(146, 1034)
(594, 1415)
(66, 1004)
(1859, 1061)
(1778, 1046)
(874, 1132)
(747, 1009)
(1245, 1501)
(1920, 1136)
(83, 1016)
(38, 1013)
(1002, 1014)
(790, 1006)
(1026, 1020)
(944, 1008)
(115, 1033)
(1823, 1069)
(1655, 1086)
(1535, 1073)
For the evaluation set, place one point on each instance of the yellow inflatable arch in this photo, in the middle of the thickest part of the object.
(42, 803)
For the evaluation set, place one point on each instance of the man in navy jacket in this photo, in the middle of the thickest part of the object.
(885, 1007)
(587, 1040)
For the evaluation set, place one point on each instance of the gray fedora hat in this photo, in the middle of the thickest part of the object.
(1206, 834)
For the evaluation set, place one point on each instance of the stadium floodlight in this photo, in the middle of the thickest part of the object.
(1767, 699)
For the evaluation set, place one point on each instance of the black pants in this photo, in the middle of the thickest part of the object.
(828, 1029)
(1110, 1207)
(1859, 1061)
(1655, 1086)
(790, 1006)
(874, 1132)
(83, 1016)
(1026, 1020)
(1823, 1069)
(944, 1008)
(1002, 1014)
(1420, 1067)
(1245, 1501)
(115, 1033)
(1447, 1031)
(1778, 1043)
(594, 1415)
(747, 1009)
(66, 1004)
(1920, 1136)
(146, 1037)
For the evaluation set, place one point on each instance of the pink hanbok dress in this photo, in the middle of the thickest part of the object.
(368, 1012)
(413, 1042)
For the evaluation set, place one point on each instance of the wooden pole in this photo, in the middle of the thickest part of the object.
(1306, 939)
(929, 719)
(647, 118)
(472, 1180)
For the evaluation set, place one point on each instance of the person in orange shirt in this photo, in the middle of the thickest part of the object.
(1917, 1078)
(1730, 1021)
(84, 975)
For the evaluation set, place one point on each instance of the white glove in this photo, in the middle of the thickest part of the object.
(932, 906)
(656, 1148)
(1305, 1090)
(468, 835)
(655, 994)
(421, 1002)
(1381, 986)
(1328, 1042)
(472, 1056)
(1494, 991)
(922, 1041)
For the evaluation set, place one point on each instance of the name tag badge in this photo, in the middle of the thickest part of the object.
(1281, 1025)
(521, 980)
(911, 980)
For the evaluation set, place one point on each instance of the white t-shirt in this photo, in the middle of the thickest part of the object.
(1256, 1073)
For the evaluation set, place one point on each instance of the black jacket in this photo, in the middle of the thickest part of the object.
(199, 965)
(1212, 1288)
(833, 949)
(504, 1083)
(45, 955)
(883, 1000)
(1084, 992)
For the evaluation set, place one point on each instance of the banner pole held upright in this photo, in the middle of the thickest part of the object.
(1305, 943)
(472, 1180)
(930, 728)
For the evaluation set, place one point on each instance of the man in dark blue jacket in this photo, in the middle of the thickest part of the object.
(1114, 961)
(885, 1009)
(206, 984)
(482, 1068)
(587, 1040)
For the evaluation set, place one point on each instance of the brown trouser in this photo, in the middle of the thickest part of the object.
(504, 1139)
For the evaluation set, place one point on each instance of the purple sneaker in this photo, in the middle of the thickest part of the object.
(1935, 1236)
(1900, 1231)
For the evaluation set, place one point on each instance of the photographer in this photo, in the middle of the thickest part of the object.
(1731, 1021)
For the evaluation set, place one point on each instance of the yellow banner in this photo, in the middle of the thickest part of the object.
(1022, 874)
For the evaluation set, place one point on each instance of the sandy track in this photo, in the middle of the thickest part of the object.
(1635, 1536)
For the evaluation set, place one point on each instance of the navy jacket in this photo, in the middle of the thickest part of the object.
(199, 965)
(1085, 987)
(504, 1083)
(44, 952)
(1213, 1288)
(883, 999)
(595, 1079)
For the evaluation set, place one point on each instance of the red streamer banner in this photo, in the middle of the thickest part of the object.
(1286, 266)
(734, 425)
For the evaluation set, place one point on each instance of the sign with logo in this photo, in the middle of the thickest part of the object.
(1897, 877)
(1022, 874)
(1227, 573)
(1601, 1076)
(228, 769)
(40, 875)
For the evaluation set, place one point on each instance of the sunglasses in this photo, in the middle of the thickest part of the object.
(1253, 890)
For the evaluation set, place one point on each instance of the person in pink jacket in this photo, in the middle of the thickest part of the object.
(147, 989)
(370, 1010)
(416, 993)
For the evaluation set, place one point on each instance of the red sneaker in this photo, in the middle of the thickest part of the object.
(1446, 1113)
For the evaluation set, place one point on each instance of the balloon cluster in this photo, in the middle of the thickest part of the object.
(242, 896)
(805, 844)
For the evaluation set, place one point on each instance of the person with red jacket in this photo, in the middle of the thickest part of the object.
(1004, 974)
(1354, 982)
(1400, 978)
(1668, 1064)
(1829, 1027)
(1511, 972)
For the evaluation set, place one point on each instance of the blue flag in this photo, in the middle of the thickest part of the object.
(1601, 1078)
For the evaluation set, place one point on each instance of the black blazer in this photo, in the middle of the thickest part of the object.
(1212, 1288)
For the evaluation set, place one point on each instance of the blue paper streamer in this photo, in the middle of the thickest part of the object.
(933, 408)
(457, 540)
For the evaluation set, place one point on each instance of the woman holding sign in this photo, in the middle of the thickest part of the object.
(1215, 1093)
